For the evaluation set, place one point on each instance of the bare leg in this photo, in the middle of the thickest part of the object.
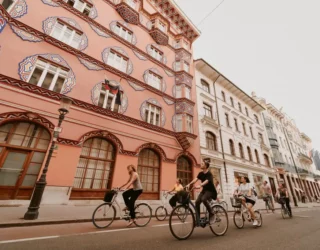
(251, 211)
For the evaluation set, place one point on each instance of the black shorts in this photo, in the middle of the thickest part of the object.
(250, 201)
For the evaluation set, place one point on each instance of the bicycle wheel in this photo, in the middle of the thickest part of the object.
(258, 218)
(284, 212)
(104, 215)
(161, 213)
(238, 219)
(221, 221)
(143, 214)
(224, 205)
(182, 223)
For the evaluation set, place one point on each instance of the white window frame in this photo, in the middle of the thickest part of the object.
(189, 123)
(65, 26)
(153, 111)
(179, 123)
(11, 5)
(123, 32)
(45, 66)
(187, 92)
(177, 44)
(86, 5)
(154, 80)
(157, 54)
(178, 91)
(178, 66)
(118, 65)
(162, 26)
(108, 94)
(132, 3)
(186, 67)
(207, 110)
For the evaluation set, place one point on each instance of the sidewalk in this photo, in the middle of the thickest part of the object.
(60, 214)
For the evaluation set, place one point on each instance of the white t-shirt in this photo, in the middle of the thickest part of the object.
(244, 190)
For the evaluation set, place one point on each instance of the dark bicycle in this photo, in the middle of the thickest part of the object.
(182, 219)
(268, 202)
(284, 210)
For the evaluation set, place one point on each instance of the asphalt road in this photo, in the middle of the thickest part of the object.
(300, 232)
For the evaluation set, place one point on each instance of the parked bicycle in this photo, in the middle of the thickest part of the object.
(284, 210)
(182, 219)
(161, 212)
(104, 214)
(241, 213)
(268, 203)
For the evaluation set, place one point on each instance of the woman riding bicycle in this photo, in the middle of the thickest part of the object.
(131, 195)
(284, 195)
(247, 197)
(177, 188)
(208, 190)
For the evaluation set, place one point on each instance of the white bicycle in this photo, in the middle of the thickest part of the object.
(104, 214)
(162, 211)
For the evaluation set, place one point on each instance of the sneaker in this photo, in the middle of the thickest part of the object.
(255, 223)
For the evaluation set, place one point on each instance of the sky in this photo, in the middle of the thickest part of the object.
(270, 47)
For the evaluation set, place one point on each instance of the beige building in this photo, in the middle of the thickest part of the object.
(291, 152)
(232, 132)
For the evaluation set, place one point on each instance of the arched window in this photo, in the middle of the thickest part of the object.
(223, 96)
(205, 86)
(211, 140)
(95, 168)
(148, 170)
(184, 170)
(257, 156)
(231, 145)
(249, 153)
(266, 160)
(23, 147)
(241, 151)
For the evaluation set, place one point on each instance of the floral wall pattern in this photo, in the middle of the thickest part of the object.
(50, 2)
(144, 106)
(89, 65)
(25, 36)
(99, 31)
(48, 24)
(105, 54)
(95, 94)
(27, 65)
(3, 23)
(19, 9)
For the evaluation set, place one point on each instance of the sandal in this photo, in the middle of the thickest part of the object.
(130, 223)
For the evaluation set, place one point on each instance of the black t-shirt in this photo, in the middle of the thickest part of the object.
(209, 186)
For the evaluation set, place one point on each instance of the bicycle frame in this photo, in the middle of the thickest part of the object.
(114, 201)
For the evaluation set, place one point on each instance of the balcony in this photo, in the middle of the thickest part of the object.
(210, 121)
(264, 147)
(159, 31)
(185, 139)
(127, 9)
(305, 158)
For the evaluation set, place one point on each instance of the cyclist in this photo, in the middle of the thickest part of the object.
(177, 188)
(131, 195)
(208, 190)
(245, 193)
(283, 194)
(268, 193)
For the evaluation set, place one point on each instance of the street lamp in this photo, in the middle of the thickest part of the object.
(33, 209)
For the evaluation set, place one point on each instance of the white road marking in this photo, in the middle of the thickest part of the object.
(300, 216)
(161, 225)
(29, 239)
(106, 231)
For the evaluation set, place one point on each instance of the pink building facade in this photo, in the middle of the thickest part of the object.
(127, 65)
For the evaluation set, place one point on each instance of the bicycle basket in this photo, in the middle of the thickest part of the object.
(281, 201)
(183, 197)
(235, 202)
(109, 195)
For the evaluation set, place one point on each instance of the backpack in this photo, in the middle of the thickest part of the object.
(254, 192)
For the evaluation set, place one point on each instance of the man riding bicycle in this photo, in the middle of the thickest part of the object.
(268, 194)
(284, 197)
(208, 189)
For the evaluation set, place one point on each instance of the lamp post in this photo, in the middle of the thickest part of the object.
(33, 209)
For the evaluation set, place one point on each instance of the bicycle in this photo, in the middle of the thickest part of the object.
(268, 203)
(187, 219)
(284, 210)
(221, 203)
(104, 214)
(161, 212)
(241, 213)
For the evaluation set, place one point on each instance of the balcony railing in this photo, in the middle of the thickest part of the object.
(127, 9)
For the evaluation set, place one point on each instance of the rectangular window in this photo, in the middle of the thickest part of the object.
(66, 34)
(152, 115)
(240, 108)
(131, 3)
(178, 66)
(124, 33)
(227, 120)
(186, 67)
(236, 124)
(117, 61)
(82, 6)
(260, 138)
(231, 102)
(256, 119)
(251, 132)
(186, 45)
(207, 110)
(244, 128)
(189, 124)
(179, 123)
(188, 92)
(162, 26)
(156, 54)
(247, 112)
(7, 4)
(48, 76)
(107, 100)
(178, 91)
(154, 80)
(177, 44)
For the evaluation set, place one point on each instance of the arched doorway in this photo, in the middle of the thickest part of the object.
(95, 169)
(149, 172)
(184, 170)
(23, 146)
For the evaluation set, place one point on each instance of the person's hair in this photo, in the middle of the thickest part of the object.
(246, 178)
(206, 163)
(179, 180)
(132, 167)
